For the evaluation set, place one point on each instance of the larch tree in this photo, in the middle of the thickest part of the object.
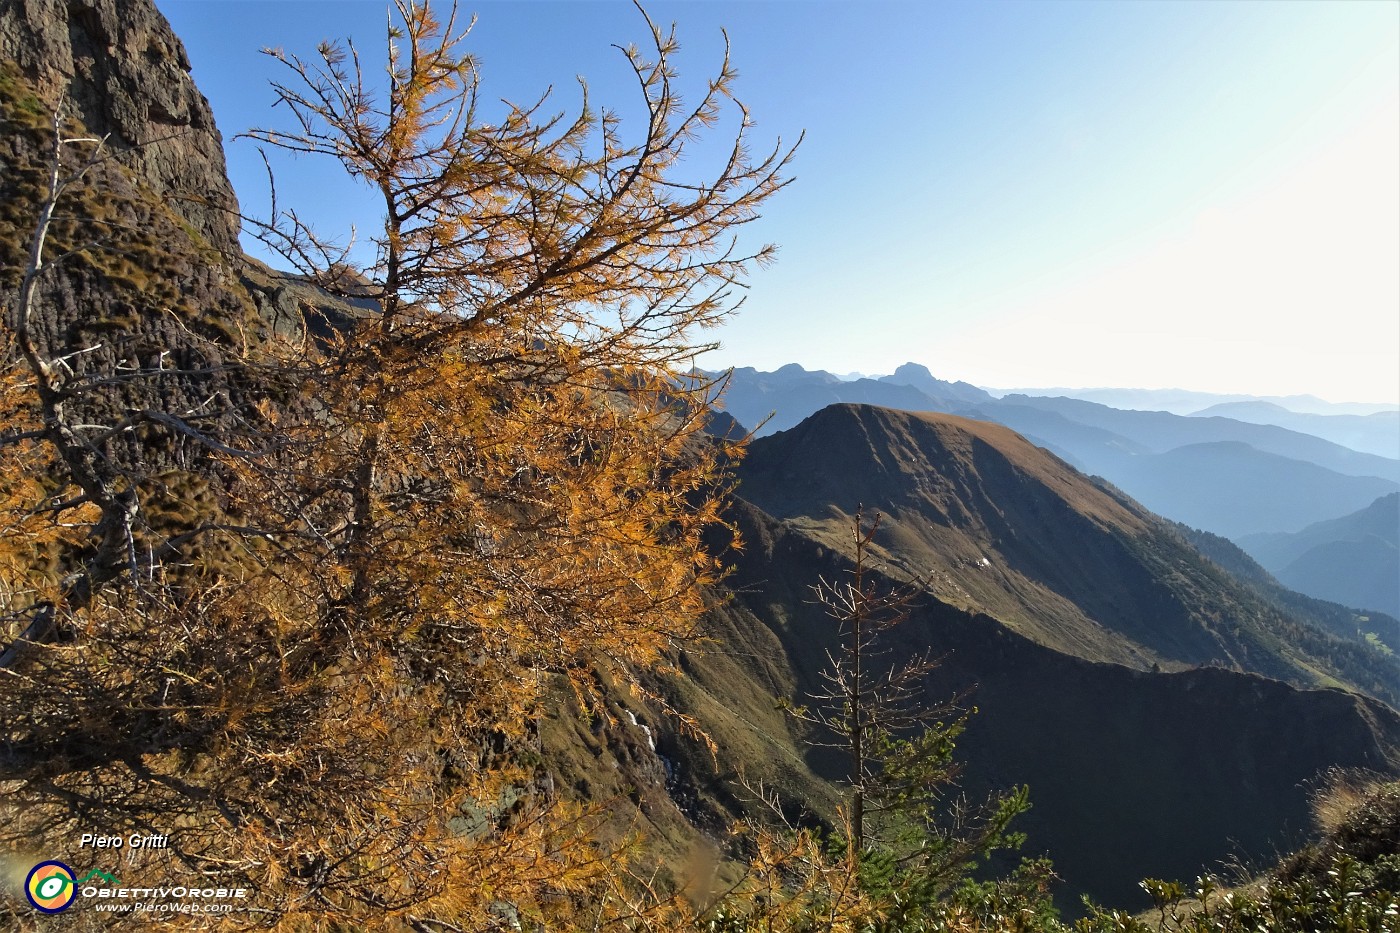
(540, 283)
(908, 840)
(903, 854)
(495, 479)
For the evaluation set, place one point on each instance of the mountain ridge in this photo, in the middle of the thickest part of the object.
(1207, 762)
(1189, 401)
(1001, 526)
(1377, 433)
(1125, 447)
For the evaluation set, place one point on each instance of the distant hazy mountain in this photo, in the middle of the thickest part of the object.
(1353, 560)
(1364, 574)
(791, 393)
(776, 401)
(1272, 479)
(1161, 431)
(913, 374)
(1186, 402)
(1233, 489)
(1226, 487)
(1377, 433)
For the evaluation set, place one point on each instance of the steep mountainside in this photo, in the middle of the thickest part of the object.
(1089, 636)
(1206, 763)
(1000, 526)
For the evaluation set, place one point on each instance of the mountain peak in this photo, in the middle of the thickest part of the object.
(848, 454)
(796, 373)
(919, 376)
(913, 371)
(1233, 409)
(1000, 526)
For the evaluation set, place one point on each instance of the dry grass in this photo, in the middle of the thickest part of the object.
(1339, 794)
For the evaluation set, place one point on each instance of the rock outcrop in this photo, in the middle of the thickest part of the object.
(149, 304)
(121, 68)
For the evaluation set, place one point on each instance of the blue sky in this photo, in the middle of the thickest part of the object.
(1044, 192)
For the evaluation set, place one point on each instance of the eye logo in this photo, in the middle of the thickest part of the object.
(50, 887)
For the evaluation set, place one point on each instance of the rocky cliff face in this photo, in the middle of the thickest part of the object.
(150, 305)
(124, 73)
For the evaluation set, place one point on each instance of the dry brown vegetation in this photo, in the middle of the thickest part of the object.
(496, 482)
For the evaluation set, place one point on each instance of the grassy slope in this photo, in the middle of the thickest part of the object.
(996, 525)
(1132, 773)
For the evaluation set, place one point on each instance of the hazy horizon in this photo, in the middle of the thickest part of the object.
(853, 375)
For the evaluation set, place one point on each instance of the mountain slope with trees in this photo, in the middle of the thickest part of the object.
(1208, 763)
(1000, 526)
